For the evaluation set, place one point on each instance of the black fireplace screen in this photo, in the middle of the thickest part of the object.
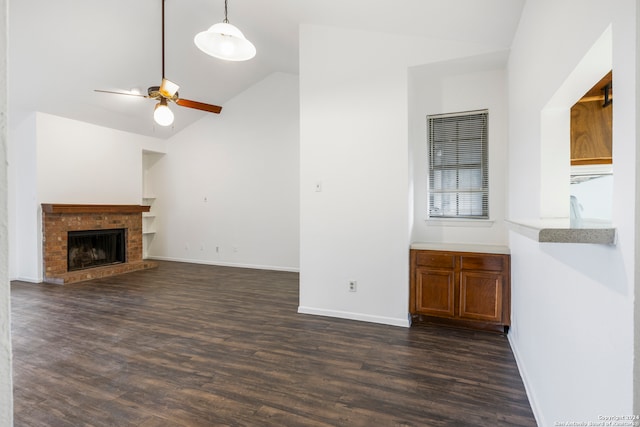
(94, 248)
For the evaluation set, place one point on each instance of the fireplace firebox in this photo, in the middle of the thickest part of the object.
(95, 248)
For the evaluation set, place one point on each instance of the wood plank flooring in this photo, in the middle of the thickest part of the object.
(197, 345)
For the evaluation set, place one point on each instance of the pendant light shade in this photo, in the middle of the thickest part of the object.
(162, 114)
(225, 41)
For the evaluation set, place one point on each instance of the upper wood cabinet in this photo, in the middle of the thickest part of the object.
(591, 124)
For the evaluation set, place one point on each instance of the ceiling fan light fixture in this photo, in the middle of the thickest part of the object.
(162, 114)
(225, 41)
(168, 88)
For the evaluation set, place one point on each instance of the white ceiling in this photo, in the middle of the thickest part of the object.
(60, 51)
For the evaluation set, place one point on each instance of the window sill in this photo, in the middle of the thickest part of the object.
(560, 230)
(452, 222)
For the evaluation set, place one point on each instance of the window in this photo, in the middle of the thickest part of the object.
(458, 168)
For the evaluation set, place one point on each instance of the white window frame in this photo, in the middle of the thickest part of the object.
(458, 183)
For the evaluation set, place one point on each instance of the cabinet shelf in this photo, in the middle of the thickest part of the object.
(148, 219)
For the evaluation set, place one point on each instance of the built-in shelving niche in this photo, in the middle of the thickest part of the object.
(150, 161)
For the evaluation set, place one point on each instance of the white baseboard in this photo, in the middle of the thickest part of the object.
(392, 321)
(527, 384)
(226, 264)
(26, 279)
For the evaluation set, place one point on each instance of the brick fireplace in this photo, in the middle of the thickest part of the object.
(60, 219)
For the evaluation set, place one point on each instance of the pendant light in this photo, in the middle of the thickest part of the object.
(225, 41)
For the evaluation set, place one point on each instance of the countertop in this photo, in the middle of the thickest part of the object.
(562, 230)
(461, 247)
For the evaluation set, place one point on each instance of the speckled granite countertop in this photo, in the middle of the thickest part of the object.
(560, 230)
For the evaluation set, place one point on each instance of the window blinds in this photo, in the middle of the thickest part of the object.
(458, 169)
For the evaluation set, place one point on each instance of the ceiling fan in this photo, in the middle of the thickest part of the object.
(165, 93)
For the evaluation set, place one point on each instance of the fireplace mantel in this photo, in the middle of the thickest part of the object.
(72, 208)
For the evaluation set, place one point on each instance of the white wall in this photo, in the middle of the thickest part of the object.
(58, 160)
(474, 83)
(6, 388)
(572, 305)
(594, 197)
(636, 371)
(74, 159)
(23, 214)
(354, 142)
(231, 182)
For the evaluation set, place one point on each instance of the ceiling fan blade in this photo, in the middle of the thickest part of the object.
(121, 93)
(199, 105)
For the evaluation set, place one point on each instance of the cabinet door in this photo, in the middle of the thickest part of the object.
(481, 295)
(435, 292)
(591, 136)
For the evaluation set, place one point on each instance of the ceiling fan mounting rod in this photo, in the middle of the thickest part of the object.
(163, 38)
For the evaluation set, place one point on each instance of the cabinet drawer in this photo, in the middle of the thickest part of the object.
(434, 259)
(483, 262)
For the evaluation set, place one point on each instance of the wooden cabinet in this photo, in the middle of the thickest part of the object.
(591, 126)
(466, 288)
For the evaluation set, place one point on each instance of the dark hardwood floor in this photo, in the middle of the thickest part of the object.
(196, 345)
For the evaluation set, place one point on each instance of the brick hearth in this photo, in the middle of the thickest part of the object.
(59, 219)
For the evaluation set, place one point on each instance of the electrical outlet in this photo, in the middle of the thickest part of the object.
(353, 286)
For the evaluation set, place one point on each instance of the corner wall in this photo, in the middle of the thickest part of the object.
(572, 304)
(474, 83)
(227, 190)
(23, 215)
(354, 107)
(58, 160)
(636, 317)
(6, 388)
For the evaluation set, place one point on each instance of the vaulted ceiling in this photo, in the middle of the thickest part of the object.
(60, 51)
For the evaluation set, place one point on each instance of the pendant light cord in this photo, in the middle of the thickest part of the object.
(226, 21)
